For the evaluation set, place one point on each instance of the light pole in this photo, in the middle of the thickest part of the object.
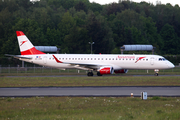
(91, 45)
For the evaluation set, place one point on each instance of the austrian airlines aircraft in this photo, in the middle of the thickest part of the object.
(102, 64)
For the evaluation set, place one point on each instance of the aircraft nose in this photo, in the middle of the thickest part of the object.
(170, 65)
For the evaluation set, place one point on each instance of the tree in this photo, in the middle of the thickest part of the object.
(77, 41)
(113, 8)
(100, 33)
(81, 6)
(118, 31)
(95, 7)
(171, 41)
(64, 27)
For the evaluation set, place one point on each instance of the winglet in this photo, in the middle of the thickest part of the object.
(58, 61)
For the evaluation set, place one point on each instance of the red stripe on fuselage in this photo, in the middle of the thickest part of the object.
(32, 51)
(19, 33)
(139, 59)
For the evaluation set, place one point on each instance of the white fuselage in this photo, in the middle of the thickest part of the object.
(124, 61)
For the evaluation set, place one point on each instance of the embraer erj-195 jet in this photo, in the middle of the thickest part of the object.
(101, 63)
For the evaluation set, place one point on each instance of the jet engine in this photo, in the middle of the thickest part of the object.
(106, 70)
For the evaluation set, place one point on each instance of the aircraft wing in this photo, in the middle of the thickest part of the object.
(18, 56)
(80, 65)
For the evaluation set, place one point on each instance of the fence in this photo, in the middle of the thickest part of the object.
(49, 70)
(35, 69)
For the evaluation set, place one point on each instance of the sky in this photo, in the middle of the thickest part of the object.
(173, 2)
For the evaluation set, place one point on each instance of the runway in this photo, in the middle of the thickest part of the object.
(168, 91)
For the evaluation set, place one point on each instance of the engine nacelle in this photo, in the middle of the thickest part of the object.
(106, 70)
(121, 71)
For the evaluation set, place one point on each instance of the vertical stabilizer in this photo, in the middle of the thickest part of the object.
(25, 46)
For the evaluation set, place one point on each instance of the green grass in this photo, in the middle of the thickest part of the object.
(89, 108)
(90, 81)
(30, 71)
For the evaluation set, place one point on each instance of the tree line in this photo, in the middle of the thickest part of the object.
(72, 24)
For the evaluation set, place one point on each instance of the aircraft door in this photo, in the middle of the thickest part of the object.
(152, 61)
(45, 59)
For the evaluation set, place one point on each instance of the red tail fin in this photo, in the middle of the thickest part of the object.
(26, 47)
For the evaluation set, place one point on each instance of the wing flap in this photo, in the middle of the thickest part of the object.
(80, 65)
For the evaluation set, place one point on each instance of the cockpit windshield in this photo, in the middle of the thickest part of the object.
(162, 59)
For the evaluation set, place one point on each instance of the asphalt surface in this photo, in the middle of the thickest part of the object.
(168, 91)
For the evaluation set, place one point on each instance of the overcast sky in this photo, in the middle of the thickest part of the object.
(173, 2)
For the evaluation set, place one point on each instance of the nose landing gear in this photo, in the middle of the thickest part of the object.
(156, 72)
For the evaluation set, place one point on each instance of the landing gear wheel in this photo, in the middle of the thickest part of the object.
(156, 74)
(99, 74)
(90, 74)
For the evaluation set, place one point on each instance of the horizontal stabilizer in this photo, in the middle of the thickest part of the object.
(18, 56)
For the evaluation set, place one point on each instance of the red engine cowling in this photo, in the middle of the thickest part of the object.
(121, 71)
(106, 70)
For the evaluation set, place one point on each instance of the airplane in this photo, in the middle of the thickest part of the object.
(101, 63)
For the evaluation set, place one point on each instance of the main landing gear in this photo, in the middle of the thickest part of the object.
(156, 72)
(99, 74)
(90, 73)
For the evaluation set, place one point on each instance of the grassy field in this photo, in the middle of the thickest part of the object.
(89, 108)
(90, 81)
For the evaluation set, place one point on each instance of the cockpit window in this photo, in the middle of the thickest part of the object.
(162, 59)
